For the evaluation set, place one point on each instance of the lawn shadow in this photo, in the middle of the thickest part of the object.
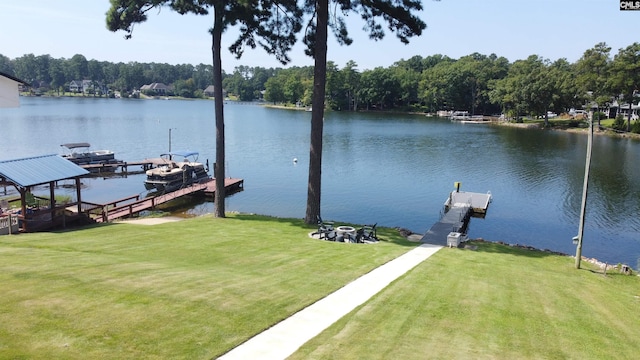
(79, 226)
(508, 249)
(611, 270)
(386, 235)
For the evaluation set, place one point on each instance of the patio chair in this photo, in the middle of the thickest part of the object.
(369, 233)
(359, 237)
(325, 229)
(330, 236)
(31, 201)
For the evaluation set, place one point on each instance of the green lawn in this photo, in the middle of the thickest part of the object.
(496, 302)
(607, 122)
(196, 288)
(186, 290)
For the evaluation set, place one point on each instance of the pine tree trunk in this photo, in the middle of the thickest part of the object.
(218, 171)
(317, 114)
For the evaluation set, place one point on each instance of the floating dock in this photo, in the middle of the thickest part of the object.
(459, 207)
(478, 202)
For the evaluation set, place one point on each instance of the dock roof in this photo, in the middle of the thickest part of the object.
(39, 170)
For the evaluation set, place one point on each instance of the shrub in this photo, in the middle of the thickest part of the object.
(618, 124)
(599, 115)
(573, 123)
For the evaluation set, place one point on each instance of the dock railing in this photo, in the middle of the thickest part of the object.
(8, 224)
(110, 212)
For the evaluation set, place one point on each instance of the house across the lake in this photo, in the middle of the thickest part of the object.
(87, 87)
(156, 89)
(209, 92)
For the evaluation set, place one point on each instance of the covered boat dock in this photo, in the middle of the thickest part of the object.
(37, 213)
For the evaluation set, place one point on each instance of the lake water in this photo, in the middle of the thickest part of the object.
(392, 169)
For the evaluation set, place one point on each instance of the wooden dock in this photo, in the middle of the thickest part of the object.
(231, 185)
(124, 166)
(113, 211)
(458, 209)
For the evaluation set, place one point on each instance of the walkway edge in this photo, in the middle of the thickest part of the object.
(287, 336)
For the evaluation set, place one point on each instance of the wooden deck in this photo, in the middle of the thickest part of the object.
(458, 209)
(124, 166)
(231, 185)
(110, 213)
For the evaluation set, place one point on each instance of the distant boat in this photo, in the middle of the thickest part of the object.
(309, 109)
(460, 115)
(465, 118)
(478, 121)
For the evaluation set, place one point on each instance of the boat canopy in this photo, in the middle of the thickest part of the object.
(76, 145)
(183, 153)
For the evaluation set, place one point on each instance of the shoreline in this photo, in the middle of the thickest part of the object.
(577, 130)
(622, 267)
(601, 264)
(494, 121)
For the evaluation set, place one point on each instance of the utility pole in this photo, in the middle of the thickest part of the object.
(585, 186)
(170, 156)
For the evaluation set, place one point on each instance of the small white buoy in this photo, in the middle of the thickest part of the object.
(295, 160)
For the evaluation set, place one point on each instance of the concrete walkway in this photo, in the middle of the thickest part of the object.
(284, 338)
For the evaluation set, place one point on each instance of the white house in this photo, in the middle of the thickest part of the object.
(87, 87)
(9, 94)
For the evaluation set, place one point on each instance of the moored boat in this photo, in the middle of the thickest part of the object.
(172, 175)
(476, 119)
(459, 115)
(80, 154)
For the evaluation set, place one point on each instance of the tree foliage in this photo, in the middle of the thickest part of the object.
(479, 83)
(592, 72)
(54, 74)
(625, 76)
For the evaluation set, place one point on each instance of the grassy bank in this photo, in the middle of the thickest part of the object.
(496, 302)
(571, 125)
(196, 288)
(186, 290)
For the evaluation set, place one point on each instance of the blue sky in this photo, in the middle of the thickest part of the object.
(514, 29)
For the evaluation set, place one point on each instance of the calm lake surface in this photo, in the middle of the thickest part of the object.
(395, 170)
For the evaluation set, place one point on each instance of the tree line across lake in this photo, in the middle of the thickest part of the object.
(476, 83)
